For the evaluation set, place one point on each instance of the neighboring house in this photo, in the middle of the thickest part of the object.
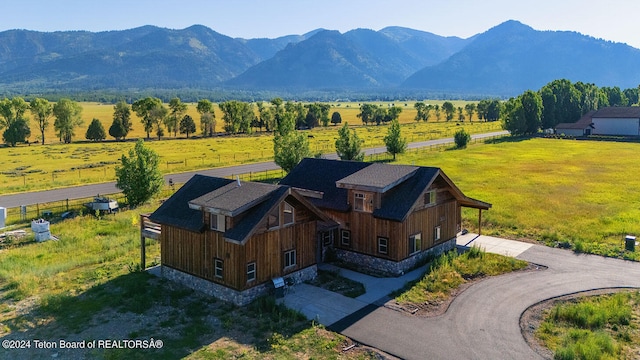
(230, 238)
(622, 121)
(391, 217)
(582, 127)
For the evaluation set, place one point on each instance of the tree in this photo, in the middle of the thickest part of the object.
(616, 96)
(41, 110)
(187, 125)
(68, 117)
(17, 132)
(177, 109)
(494, 109)
(482, 108)
(514, 119)
(419, 106)
(461, 138)
(394, 141)
(151, 111)
(436, 109)
(393, 113)
(561, 103)
(449, 110)
(632, 95)
(349, 145)
(138, 176)
(532, 108)
(95, 131)
(289, 146)
(237, 116)
(336, 118)
(470, 109)
(367, 112)
(207, 117)
(460, 113)
(121, 124)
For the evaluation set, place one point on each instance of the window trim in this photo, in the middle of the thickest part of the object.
(284, 214)
(412, 240)
(382, 239)
(431, 196)
(437, 233)
(344, 232)
(277, 212)
(218, 266)
(290, 258)
(327, 238)
(215, 225)
(367, 201)
(253, 277)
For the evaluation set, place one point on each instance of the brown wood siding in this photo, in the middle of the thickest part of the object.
(194, 253)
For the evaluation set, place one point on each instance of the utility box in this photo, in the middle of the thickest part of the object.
(630, 243)
(3, 217)
(278, 287)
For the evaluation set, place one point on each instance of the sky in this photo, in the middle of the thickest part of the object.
(614, 20)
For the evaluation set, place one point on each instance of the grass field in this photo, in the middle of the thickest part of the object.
(600, 327)
(38, 167)
(561, 192)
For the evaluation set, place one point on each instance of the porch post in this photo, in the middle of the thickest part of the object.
(143, 256)
(479, 221)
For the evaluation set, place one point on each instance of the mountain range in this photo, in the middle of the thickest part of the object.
(503, 61)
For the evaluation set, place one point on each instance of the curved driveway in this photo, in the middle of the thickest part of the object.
(483, 321)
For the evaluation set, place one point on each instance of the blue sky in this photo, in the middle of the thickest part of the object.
(614, 20)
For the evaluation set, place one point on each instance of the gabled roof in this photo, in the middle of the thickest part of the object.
(320, 175)
(233, 198)
(175, 211)
(377, 177)
(409, 182)
(625, 112)
(583, 123)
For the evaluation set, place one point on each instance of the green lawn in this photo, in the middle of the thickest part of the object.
(579, 193)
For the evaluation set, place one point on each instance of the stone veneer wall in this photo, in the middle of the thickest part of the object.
(222, 292)
(390, 267)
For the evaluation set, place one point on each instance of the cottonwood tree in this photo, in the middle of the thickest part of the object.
(289, 146)
(138, 175)
(17, 132)
(95, 131)
(187, 125)
(436, 109)
(449, 110)
(394, 141)
(68, 116)
(41, 109)
(207, 117)
(348, 144)
(470, 109)
(237, 116)
(177, 109)
(367, 112)
(151, 112)
(532, 107)
(121, 124)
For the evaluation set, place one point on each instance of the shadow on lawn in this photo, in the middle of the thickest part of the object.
(139, 306)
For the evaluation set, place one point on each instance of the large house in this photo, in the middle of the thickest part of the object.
(232, 239)
(616, 121)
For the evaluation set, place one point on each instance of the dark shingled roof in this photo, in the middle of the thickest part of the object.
(241, 230)
(398, 201)
(176, 212)
(321, 175)
(231, 199)
(377, 177)
(618, 112)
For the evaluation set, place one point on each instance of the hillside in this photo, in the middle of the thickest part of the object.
(503, 61)
(512, 57)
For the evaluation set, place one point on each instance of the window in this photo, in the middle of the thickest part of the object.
(216, 222)
(415, 243)
(273, 219)
(289, 258)
(436, 233)
(362, 202)
(345, 237)
(327, 237)
(430, 197)
(218, 267)
(288, 214)
(383, 245)
(251, 271)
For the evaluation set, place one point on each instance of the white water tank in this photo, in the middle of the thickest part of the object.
(3, 217)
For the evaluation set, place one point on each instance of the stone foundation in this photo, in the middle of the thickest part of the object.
(240, 298)
(393, 268)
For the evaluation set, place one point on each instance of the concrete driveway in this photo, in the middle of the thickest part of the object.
(483, 321)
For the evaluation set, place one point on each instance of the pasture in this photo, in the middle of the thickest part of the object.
(39, 167)
(580, 194)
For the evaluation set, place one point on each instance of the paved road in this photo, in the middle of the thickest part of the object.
(85, 191)
(483, 321)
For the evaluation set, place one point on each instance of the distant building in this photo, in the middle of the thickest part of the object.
(582, 127)
(617, 121)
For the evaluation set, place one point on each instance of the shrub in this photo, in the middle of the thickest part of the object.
(461, 139)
